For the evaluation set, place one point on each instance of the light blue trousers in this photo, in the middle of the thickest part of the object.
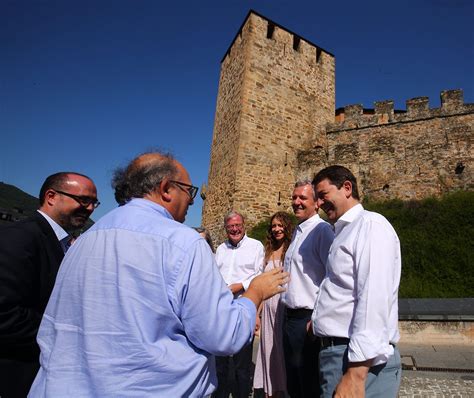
(382, 380)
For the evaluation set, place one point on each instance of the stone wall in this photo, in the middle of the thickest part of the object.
(410, 155)
(276, 92)
(224, 154)
(276, 122)
(437, 332)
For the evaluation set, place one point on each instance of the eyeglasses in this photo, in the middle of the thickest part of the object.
(84, 201)
(233, 226)
(190, 189)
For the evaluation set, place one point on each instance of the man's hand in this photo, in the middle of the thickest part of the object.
(257, 325)
(309, 328)
(266, 285)
(352, 384)
(236, 288)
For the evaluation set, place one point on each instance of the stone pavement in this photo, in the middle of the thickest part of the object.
(456, 379)
(431, 384)
(451, 371)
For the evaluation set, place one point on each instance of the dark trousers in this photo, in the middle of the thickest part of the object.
(16, 377)
(234, 374)
(301, 355)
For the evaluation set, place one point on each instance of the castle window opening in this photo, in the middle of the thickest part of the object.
(318, 54)
(270, 30)
(296, 43)
(459, 168)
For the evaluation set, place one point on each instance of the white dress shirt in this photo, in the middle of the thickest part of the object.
(358, 298)
(241, 263)
(305, 260)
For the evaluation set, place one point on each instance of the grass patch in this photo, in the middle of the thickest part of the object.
(436, 237)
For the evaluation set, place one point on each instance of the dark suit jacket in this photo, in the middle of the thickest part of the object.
(30, 255)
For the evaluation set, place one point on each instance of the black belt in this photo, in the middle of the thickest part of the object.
(298, 312)
(332, 341)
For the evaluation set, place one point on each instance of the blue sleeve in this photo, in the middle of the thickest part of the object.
(213, 321)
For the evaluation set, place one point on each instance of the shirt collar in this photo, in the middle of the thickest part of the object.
(349, 216)
(58, 230)
(308, 223)
(141, 202)
(230, 245)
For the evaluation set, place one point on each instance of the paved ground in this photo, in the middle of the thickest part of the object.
(435, 383)
(448, 383)
(439, 356)
(430, 384)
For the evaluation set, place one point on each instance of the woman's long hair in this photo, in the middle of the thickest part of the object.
(271, 243)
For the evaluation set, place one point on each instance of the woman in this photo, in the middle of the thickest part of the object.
(270, 366)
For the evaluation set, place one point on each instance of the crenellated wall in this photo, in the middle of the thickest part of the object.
(406, 155)
(276, 122)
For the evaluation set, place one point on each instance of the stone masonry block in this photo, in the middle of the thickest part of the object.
(451, 100)
(384, 111)
(417, 106)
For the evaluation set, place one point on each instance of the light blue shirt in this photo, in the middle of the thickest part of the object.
(138, 310)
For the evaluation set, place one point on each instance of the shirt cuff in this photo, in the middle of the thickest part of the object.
(364, 346)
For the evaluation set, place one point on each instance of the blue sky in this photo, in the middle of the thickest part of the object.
(87, 85)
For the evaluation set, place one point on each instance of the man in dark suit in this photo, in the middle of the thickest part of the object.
(30, 253)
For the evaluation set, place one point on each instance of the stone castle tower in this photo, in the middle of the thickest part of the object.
(276, 93)
(275, 123)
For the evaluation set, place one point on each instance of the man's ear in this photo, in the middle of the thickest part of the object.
(347, 186)
(50, 197)
(164, 190)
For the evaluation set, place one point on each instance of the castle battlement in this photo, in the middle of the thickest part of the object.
(356, 117)
(276, 123)
(270, 102)
(281, 36)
